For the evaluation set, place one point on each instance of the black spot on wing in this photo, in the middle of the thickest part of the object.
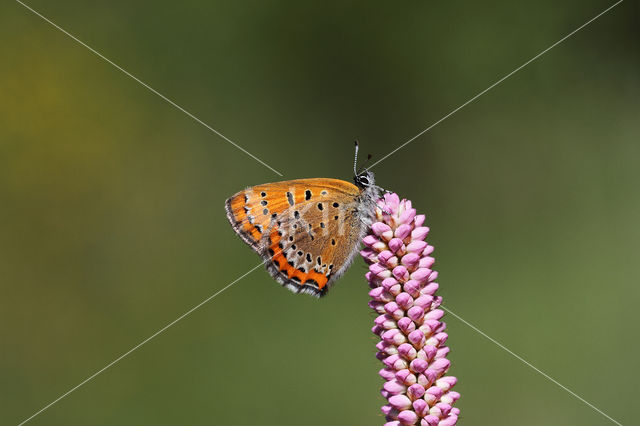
(290, 198)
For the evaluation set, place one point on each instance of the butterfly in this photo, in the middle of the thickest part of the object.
(306, 230)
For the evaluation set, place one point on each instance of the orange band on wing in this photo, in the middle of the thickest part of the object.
(239, 214)
(292, 272)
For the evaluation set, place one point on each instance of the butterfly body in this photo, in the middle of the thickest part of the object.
(306, 230)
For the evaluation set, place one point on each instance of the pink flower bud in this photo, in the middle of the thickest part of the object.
(376, 293)
(370, 240)
(400, 402)
(421, 407)
(406, 325)
(416, 313)
(377, 268)
(408, 417)
(418, 365)
(414, 247)
(406, 377)
(412, 287)
(394, 387)
(417, 338)
(430, 420)
(436, 314)
(426, 261)
(407, 217)
(395, 245)
(424, 301)
(380, 228)
(402, 231)
(415, 392)
(401, 273)
(410, 260)
(407, 351)
(384, 256)
(387, 373)
(421, 274)
(387, 283)
(419, 233)
(404, 300)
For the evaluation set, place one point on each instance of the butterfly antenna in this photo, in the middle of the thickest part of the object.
(355, 160)
(363, 167)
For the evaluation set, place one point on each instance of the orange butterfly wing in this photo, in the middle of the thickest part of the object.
(305, 246)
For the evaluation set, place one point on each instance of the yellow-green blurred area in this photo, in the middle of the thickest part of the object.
(112, 222)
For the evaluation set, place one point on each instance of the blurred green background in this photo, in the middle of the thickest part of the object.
(112, 221)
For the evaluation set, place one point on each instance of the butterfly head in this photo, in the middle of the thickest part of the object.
(364, 179)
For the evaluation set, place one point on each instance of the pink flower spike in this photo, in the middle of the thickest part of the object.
(409, 323)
